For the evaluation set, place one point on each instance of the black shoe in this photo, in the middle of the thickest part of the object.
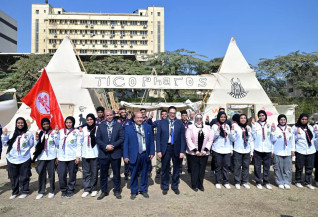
(117, 195)
(164, 192)
(195, 189)
(126, 177)
(176, 191)
(201, 189)
(63, 194)
(70, 194)
(133, 196)
(102, 195)
(145, 194)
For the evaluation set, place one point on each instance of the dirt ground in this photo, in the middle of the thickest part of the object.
(211, 202)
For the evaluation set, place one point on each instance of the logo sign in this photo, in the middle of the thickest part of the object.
(237, 90)
(42, 103)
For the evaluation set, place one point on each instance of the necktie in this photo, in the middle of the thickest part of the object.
(171, 132)
(109, 132)
(140, 140)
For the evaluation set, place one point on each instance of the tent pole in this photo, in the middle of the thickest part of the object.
(206, 94)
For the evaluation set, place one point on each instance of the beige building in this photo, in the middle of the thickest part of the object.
(138, 33)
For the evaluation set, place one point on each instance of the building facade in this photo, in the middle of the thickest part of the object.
(138, 33)
(8, 33)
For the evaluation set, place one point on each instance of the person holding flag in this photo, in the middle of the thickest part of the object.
(45, 153)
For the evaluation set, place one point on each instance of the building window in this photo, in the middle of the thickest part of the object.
(133, 32)
(123, 23)
(93, 22)
(133, 42)
(103, 22)
(158, 14)
(113, 23)
(36, 35)
(123, 52)
(133, 23)
(37, 11)
(133, 52)
(113, 52)
(112, 33)
(59, 12)
(124, 42)
(143, 52)
(143, 42)
(122, 33)
(159, 32)
(103, 51)
(143, 33)
(143, 23)
(113, 42)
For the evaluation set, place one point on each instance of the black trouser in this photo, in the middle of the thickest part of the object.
(42, 167)
(198, 165)
(222, 163)
(104, 167)
(260, 158)
(188, 162)
(212, 162)
(301, 161)
(19, 175)
(241, 167)
(90, 174)
(165, 169)
(63, 168)
(316, 166)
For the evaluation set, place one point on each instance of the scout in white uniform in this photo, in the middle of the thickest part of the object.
(68, 156)
(18, 157)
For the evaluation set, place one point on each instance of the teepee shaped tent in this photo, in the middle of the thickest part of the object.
(66, 78)
(237, 86)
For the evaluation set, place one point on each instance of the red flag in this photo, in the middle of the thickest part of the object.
(42, 101)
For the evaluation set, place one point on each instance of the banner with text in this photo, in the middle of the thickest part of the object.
(194, 82)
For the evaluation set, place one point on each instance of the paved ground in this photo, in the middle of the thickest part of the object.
(212, 202)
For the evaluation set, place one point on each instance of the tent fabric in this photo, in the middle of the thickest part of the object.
(65, 75)
(237, 85)
(7, 110)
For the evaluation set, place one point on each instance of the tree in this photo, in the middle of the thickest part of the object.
(299, 70)
(25, 72)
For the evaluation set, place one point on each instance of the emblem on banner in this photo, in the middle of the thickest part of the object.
(237, 90)
(42, 103)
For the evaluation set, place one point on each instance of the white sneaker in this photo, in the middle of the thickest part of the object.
(237, 186)
(246, 186)
(227, 186)
(268, 187)
(287, 186)
(39, 196)
(85, 194)
(298, 185)
(12, 196)
(51, 195)
(218, 186)
(310, 187)
(259, 186)
(281, 186)
(94, 193)
(22, 196)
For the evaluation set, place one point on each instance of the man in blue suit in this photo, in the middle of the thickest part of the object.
(171, 144)
(139, 149)
(110, 139)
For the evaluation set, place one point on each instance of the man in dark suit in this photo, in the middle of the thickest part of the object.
(139, 149)
(110, 139)
(171, 144)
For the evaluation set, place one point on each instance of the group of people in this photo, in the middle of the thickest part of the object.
(104, 140)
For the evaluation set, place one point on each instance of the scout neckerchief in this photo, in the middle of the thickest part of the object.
(284, 133)
(221, 125)
(46, 137)
(65, 135)
(305, 129)
(89, 136)
(263, 128)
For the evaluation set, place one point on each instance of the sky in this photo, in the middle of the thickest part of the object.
(262, 28)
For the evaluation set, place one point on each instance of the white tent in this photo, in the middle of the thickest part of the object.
(7, 107)
(237, 85)
(66, 77)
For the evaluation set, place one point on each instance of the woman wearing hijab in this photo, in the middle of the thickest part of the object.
(45, 153)
(199, 141)
(89, 156)
(263, 149)
(284, 148)
(304, 151)
(18, 157)
(68, 156)
(222, 149)
(243, 151)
